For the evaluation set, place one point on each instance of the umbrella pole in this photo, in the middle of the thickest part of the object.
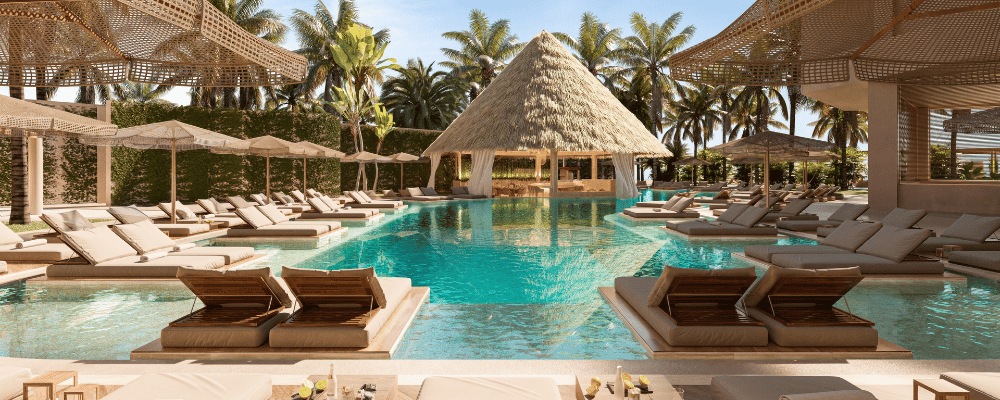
(173, 182)
(805, 175)
(767, 178)
(268, 181)
(303, 174)
(401, 178)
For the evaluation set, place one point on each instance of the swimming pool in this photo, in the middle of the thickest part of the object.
(510, 278)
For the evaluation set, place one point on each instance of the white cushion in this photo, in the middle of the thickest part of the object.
(893, 243)
(144, 236)
(851, 235)
(681, 205)
(191, 386)
(971, 227)
(428, 191)
(98, 245)
(183, 212)
(254, 217)
(330, 203)
(506, 388)
(363, 195)
(8, 236)
(272, 213)
(733, 212)
(750, 217)
(414, 192)
(209, 206)
(318, 204)
(12, 381)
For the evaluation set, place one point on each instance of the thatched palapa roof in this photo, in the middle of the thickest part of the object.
(545, 99)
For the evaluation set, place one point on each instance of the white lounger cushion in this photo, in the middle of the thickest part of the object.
(131, 267)
(697, 228)
(636, 292)
(254, 217)
(12, 380)
(395, 290)
(834, 395)
(230, 254)
(767, 252)
(498, 388)
(851, 235)
(188, 386)
(680, 205)
(894, 243)
(973, 228)
(48, 252)
(283, 230)
(98, 245)
(272, 213)
(178, 230)
(773, 387)
(903, 218)
(144, 237)
(8, 236)
(982, 385)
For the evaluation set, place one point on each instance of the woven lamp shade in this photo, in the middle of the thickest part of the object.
(798, 42)
(24, 118)
(174, 42)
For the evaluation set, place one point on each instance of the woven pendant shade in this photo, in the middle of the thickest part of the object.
(797, 42)
(174, 42)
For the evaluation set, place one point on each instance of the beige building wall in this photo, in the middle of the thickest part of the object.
(883, 145)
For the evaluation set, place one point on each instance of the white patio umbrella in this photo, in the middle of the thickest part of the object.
(267, 146)
(768, 143)
(405, 158)
(363, 158)
(168, 135)
(324, 152)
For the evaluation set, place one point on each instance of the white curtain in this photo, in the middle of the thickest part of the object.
(481, 176)
(435, 161)
(624, 176)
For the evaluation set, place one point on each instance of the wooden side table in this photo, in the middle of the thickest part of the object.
(943, 252)
(48, 381)
(86, 391)
(942, 389)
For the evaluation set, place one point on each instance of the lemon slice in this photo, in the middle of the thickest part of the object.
(626, 377)
(629, 385)
(595, 381)
(321, 385)
(305, 392)
(593, 389)
(643, 380)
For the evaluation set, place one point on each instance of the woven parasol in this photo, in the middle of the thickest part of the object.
(403, 159)
(169, 135)
(768, 143)
(804, 157)
(798, 42)
(267, 147)
(692, 161)
(24, 118)
(363, 158)
(173, 42)
(322, 152)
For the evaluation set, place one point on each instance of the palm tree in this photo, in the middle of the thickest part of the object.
(594, 45)
(293, 97)
(317, 35)
(265, 23)
(758, 99)
(134, 92)
(421, 98)
(845, 128)
(726, 96)
(646, 55)
(796, 101)
(697, 114)
(485, 50)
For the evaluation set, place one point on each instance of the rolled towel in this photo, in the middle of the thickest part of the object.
(3, 267)
(834, 395)
(31, 243)
(185, 246)
(715, 223)
(208, 216)
(152, 256)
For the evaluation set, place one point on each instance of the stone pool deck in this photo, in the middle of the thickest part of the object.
(692, 375)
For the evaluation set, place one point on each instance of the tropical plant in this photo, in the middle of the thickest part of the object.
(760, 104)
(485, 50)
(593, 45)
(969, 171)
(318, 35)
(294, 97)
(697, 114)
(135, 92)
(726, 96)
(262, 22)
(796, 102)
(422, 98)
(383, 127)
(646, 55)
(845, 128)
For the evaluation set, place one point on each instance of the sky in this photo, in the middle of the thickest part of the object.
(416, 25)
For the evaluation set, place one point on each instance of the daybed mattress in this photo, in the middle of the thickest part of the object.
(50, 252)
(187, 386)
(697, 228)
(981, 385)
(220, 336)
(177, 230)
(280, 230)
(934, 243)
(816, 336)
(499, 388)
(805, 226)
(230, 254)
(983, 259)
(645, 212)
(773, 387)
(869, 264)
(130, 267)
(353, 213)
(12, 380)
(765, 252)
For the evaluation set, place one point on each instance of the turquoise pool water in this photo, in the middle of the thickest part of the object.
(509, 278)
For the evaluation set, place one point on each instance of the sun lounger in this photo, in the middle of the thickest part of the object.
(12, 381)
(755, 201)
(969, 231)
(323, 210)
(672, 209)
(695, 307)
(263, 226)
(981, 385)
(738, 220)
(345, 308)
(887, 252)
(786, 388)
(506, 388)
(363, 201)
(261, 200)
(190, 386)
(15, 248)
(848, 237)
(110, 256)
(146, 239)
(130, 215)
(846, 212)
(187, 215)
(462, 192)
(240, 307)
(421, 194)
(720, 198)
(989, 260)
(212, 206)
(792, 211)
(659, 204)
(797, 308)
(900, 218)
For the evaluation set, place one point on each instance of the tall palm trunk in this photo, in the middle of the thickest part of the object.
(793, 105)
(328, 94)
(18, 169)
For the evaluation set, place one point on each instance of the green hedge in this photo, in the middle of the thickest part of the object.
(143, 176)
(401, 140)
